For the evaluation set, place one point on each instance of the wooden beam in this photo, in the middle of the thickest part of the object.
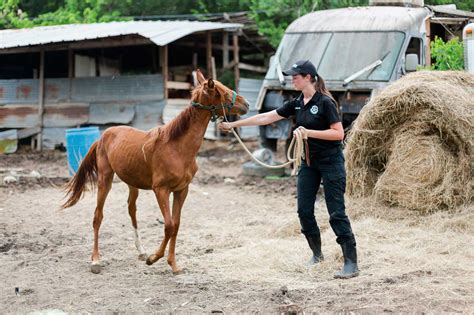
(213, 67)
(230, 65)
(202, 45)
(178, 85)
(70, 70)
(41, 101)
(101, 43)
(195, 61)
(428, 43)
(209, 54)
(153, 59)
(246, 66)
(164, 69)
(236, 60)
(225, 49)
(28, 132)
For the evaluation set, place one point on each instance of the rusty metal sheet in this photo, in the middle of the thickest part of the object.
(100, 113)
(57, 115)
(65, 115)
(148, 115)
(18, 116)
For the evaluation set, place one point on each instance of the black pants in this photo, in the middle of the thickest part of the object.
(331, 170)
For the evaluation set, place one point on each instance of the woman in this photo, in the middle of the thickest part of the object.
(318, 119)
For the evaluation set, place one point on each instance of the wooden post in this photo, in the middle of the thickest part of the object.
(153, 59)
(428, 43)
(213, 64)
(236, 61)
(225, 49)
(70, 70)
(164, 68)
(209, 54)
(195, 61)
(41, 102)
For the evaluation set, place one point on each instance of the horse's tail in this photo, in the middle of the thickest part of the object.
(87, 172)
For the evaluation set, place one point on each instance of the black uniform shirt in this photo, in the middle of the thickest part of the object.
(318, 114)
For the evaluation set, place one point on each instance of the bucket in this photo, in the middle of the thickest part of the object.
(78, 142)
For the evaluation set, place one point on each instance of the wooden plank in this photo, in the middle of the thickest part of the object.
(225, 49)
(428, 43)
(236, 59)
(164, 67)
(28, 132)
(178, 85)
(208, 54)
(41, 99)
(246, 66)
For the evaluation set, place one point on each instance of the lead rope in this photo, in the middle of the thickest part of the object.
(297, 146)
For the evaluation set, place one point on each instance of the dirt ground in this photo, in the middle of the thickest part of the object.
(239, 244)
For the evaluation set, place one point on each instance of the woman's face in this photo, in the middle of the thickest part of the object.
(300, 82)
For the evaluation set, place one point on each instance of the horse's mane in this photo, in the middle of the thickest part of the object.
(178, 126)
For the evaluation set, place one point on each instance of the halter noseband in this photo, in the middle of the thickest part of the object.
(213, 108)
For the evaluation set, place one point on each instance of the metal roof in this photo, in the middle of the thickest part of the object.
(360, 19)
(160, 32)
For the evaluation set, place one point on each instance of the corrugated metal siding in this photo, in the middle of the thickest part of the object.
(249, 88)
(148, 114)
(95, 89)
(160, 32)
(118, 88)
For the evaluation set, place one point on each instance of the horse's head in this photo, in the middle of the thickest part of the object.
(217, 98)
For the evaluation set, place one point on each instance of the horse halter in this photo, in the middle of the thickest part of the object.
(213, 108)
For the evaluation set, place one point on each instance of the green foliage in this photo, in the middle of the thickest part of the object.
(467, 5)
(274, 16)
(447, 56)
(11, 16)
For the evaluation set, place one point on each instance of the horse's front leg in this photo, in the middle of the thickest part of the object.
(163, 197)
(178, 201)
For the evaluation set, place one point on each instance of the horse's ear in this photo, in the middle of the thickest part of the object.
(200, 77)
(210, 84)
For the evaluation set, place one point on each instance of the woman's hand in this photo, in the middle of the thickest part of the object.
(225, 126)
(301, 130)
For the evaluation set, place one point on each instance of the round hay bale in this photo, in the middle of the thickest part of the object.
(412, 145)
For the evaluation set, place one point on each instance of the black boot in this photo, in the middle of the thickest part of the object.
(314, 242)
(350, 269)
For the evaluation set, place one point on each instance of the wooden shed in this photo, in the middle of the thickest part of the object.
(136, 73)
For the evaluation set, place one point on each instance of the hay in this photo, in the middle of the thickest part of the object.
(412, 145)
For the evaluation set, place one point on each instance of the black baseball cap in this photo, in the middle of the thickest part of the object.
(302, 67)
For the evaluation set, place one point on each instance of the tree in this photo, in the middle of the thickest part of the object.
(447, 56)
(11, 16)
(274, 16)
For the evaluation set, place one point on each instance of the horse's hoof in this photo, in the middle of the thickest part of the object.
(95, 268)
(178, 272)
(148, 261)
(142, 257)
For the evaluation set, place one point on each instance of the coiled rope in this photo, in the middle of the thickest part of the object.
(297, 148)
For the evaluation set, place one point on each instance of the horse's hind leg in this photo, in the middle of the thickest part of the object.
(105, 175)
(132, 210)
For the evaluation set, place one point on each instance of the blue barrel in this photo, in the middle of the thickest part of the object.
(78, 142)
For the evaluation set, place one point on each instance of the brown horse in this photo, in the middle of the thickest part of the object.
(162, 159)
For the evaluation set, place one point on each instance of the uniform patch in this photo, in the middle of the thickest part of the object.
(314, 109)
(298, 107)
